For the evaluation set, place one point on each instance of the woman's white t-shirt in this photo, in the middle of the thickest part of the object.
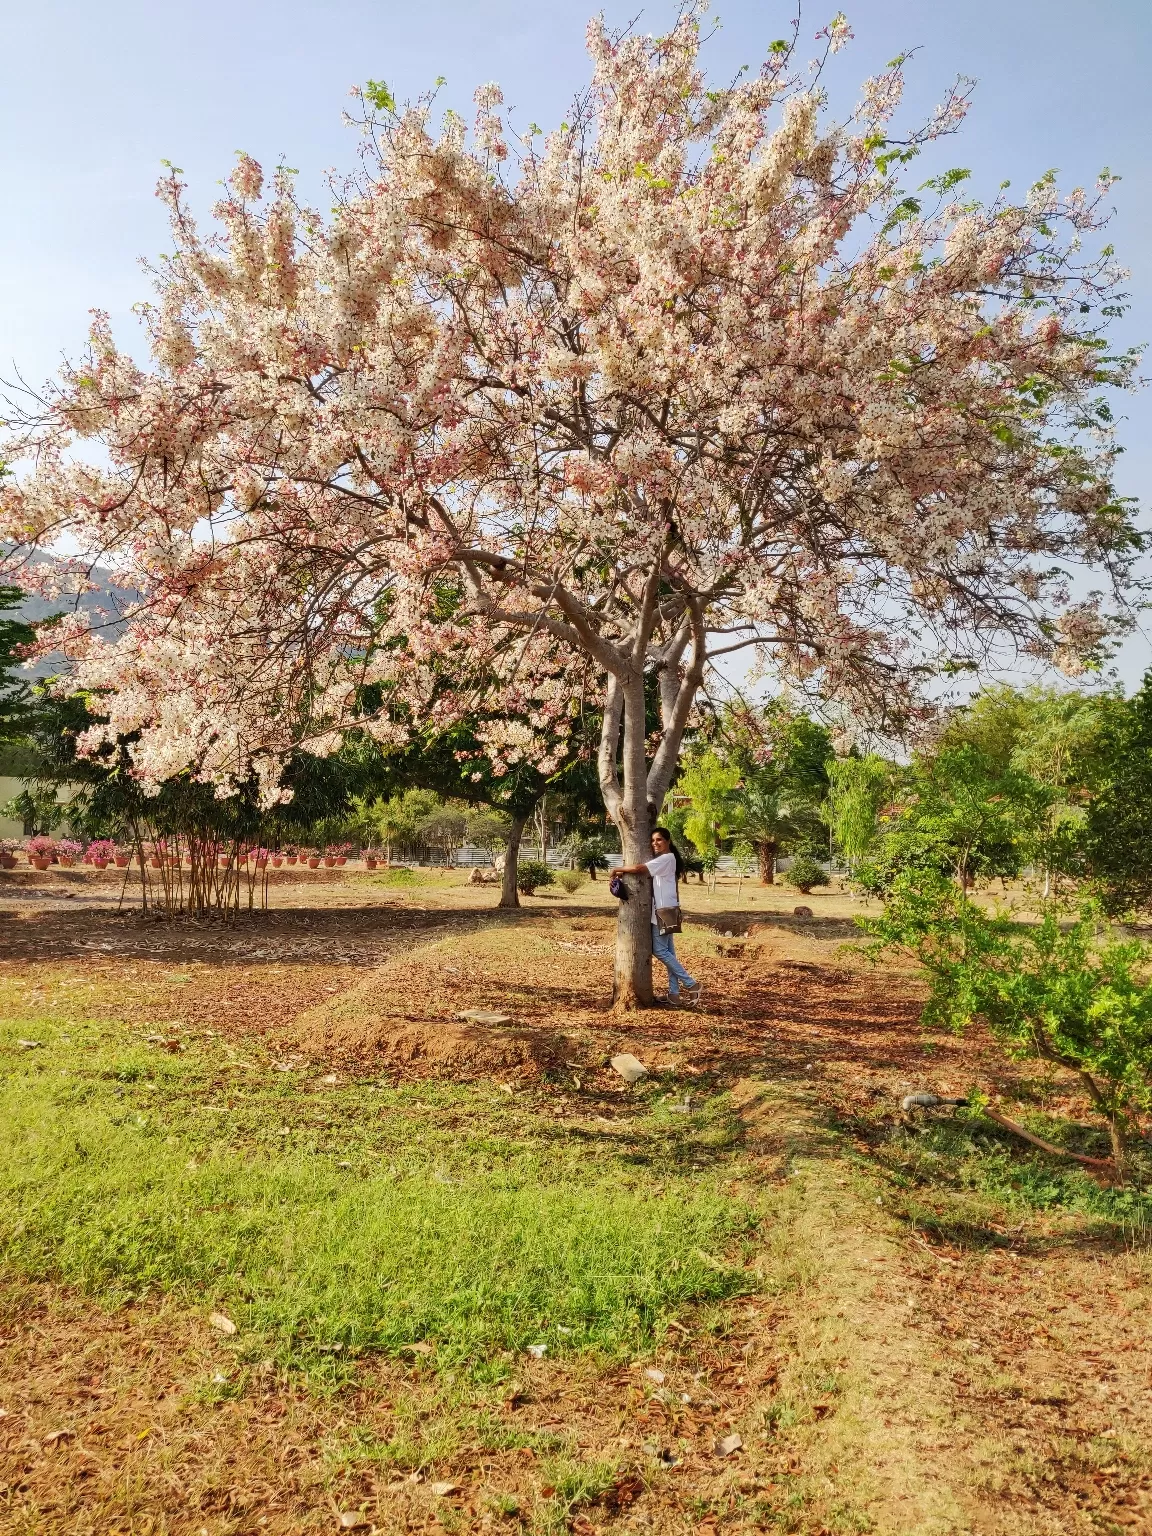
(663, 871)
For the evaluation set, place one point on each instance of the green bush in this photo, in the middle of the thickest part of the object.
(571, 880)
(1063, 993)
(531, 873)
(805, 872)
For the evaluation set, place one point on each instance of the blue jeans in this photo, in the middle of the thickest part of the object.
(664, 950)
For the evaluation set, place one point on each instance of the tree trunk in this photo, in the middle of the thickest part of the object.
(632, 982)
(509, 896)
(1119, 1142)
(542, 827)
(766, 853)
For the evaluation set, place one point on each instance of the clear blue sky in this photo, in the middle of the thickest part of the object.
(94, 96)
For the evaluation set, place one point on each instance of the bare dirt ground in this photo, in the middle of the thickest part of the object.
(988, 1388)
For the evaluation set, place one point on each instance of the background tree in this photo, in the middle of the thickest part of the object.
(782, 757)
(1054, 737)
(858, 789)
(709, 785)
(455, 762)
(588, 851)
(958, 813)
(1118, 831)
(697, 373)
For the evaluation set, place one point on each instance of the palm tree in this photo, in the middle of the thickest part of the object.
(767, 821)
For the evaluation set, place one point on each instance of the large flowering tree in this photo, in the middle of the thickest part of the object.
(691, 374)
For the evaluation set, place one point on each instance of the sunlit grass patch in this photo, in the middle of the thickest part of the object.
(210, 1174)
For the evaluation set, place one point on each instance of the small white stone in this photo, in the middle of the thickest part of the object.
(629, 1068)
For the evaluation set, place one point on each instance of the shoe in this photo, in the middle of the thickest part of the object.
(694, 994)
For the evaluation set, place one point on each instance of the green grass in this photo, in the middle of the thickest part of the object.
(462, 1218)
(965, 1177)
(398, 876)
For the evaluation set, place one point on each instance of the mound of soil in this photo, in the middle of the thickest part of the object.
(429, 1047)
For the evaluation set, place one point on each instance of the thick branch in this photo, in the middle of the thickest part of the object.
(609, 748)
(664, 763)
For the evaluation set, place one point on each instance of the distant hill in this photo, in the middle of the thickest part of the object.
(36, 609)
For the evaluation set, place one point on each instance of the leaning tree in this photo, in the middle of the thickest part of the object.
(691, 374)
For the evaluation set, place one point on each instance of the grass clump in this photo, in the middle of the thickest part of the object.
(977, 1179)
(125, 1171)
(400, 876)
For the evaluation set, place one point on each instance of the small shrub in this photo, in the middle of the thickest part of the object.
(1065, 993)
(398, 876)
(590, 853)
(532, 873)
(805, 873)
(571, 880)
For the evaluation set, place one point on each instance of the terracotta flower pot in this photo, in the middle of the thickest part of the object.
(313, 863)
(66, 861)
(342, 860)
(7, 861)
(40, 863)
(277, 860)
(123, 860)
(290, 858)
(371, 863)
(100, 863)
(329, 862)
(156, 863)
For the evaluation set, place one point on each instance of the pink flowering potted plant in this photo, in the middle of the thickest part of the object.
(313, 858)
(371, 858)
(101, 852)
(69, 851)
(291, 854)
(276, 859)
(122, 854)
(260, 857)
(41, 851)
(341, 850)
(8, 851)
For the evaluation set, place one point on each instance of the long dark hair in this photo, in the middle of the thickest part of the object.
(680, 864)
